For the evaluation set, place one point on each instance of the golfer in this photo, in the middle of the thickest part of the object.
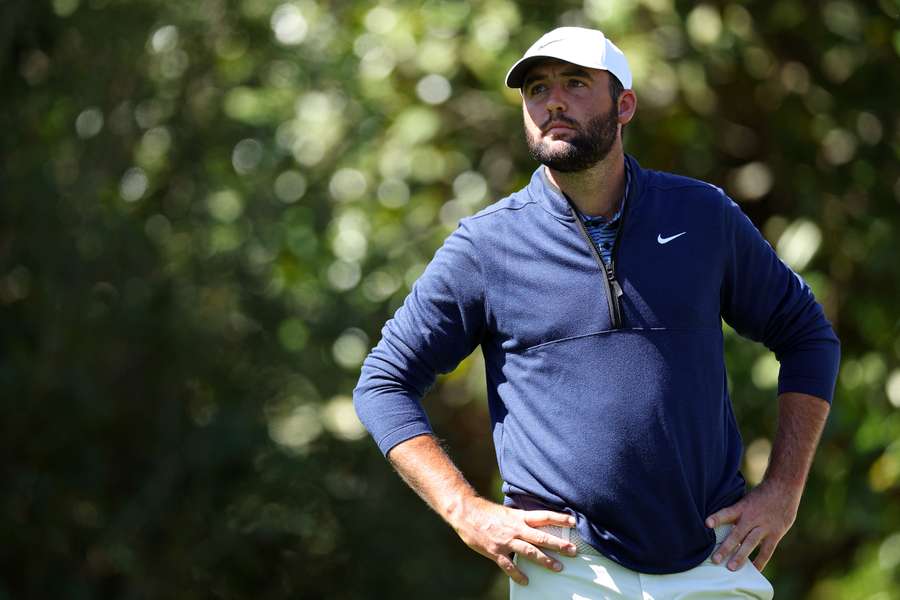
(597, 295)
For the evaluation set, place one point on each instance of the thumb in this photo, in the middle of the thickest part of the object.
(729, 514)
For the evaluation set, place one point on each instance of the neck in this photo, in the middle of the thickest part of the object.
(598, 190)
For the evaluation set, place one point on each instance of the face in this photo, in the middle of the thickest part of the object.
(571, 122)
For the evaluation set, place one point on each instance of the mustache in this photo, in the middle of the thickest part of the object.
(559, 119)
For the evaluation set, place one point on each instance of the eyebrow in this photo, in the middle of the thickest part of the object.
(568, 72)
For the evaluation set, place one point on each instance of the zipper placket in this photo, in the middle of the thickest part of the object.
(610, 284)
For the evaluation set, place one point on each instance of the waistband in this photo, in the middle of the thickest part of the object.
(570, 534)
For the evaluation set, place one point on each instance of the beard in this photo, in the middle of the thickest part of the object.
(587, 147)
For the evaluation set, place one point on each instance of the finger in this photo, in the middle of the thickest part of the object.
(751, 541)
(729, 514)
(765, 553)
(729, 545)
(535, 555)
(545, 540)
(510, 568)
(539, 518)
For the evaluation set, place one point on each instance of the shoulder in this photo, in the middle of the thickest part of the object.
(483, 226)
(684, 189)
(505, 208)
(501, 215)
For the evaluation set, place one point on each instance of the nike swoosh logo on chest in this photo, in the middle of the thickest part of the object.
(666, 240)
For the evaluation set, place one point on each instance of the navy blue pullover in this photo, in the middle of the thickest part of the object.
(625, 423)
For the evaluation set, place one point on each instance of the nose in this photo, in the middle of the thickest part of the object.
(556, 102)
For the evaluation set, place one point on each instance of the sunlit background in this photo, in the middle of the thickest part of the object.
(209, 208)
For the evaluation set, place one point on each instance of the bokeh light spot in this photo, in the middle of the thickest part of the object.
(297, 429)
(756, 459)
(225, 206)
(704, 24)
(470, 187)
(752, 181)
(64, 8)
(393, 193)
(343, 275)
(164, 39)
(133, 185)
(839, 146)
(869, 128)
(380, 285)
(380, 19)
(889, 552)
(350, 348)
(347, 184)
(434, 89)
(89, 123)
(350, 244)
(765, 372)
(339, 418)
(799, 243)
(289, 25)
(290, 186)
(246, 156)
(892, 388)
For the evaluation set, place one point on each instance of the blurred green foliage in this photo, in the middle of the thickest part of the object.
(208, 209)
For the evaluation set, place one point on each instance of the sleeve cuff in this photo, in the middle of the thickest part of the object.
(811, 386)
(401, 434)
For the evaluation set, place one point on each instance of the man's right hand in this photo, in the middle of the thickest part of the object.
(491, 529)
(496, 531)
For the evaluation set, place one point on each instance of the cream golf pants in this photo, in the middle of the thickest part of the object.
(591, 576)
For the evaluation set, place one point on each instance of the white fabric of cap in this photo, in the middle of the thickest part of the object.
(577, 45)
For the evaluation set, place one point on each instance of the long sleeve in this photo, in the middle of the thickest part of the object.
(440, 323)
(764, 300)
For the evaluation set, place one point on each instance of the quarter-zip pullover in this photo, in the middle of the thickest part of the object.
(625, 423)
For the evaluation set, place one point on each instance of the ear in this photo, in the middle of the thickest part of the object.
(627, 106)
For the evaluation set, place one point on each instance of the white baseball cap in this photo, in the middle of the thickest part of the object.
(577, 45)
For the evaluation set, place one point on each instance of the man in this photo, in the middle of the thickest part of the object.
(596, 294)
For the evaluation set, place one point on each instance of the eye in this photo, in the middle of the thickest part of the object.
(535, 89)
(576, 83)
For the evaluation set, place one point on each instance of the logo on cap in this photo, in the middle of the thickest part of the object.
(545, 44)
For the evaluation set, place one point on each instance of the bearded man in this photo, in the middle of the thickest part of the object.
(597, 295)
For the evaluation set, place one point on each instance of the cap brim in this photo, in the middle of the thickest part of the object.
(516, 75)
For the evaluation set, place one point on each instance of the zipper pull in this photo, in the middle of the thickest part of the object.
(617, 289)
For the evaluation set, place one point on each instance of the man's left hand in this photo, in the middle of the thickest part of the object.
(761, 518)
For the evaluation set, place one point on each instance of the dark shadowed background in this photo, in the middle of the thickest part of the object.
(208, 209)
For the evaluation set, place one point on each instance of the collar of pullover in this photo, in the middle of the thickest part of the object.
(552, 200)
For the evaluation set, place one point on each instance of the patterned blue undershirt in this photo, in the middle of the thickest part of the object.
(603, 231)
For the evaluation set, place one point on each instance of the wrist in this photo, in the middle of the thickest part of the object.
(457, 505)
(786, 488)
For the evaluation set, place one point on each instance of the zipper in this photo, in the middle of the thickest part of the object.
(610, 285)
(615, 253)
